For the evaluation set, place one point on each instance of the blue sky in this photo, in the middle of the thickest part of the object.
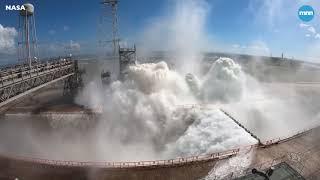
(262, 27)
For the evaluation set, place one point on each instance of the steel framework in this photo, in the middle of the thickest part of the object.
(109, 18)
(19, 80)
(72, 83)
(127, 56)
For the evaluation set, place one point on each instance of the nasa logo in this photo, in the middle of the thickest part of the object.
(15, 7)
(306, 13)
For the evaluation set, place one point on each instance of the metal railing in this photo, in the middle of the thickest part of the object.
(12, 74)
(20, 80)
(214, 157)
(285, 138)
(169, 162)
(299, 165)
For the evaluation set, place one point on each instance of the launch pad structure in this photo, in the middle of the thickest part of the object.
(109, 39)
(301, 152)
(31, 73)
(29, 88)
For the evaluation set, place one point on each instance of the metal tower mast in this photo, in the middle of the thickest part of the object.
(27, 37)
(109, 19)
(125, 56)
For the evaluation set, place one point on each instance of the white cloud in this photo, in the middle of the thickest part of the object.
(313, 53)
(236, 46)
(312, 30)
(258, 48)
(276, 30)
(302, 25)
(52, 32)
(124, 43)
(66, 28)
(59, 48)
(254, 48)
(7, 39)
(73, 46)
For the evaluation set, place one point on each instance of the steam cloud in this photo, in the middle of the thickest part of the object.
(147, 115)
(223, 82)
(180, 31)
(148, 109)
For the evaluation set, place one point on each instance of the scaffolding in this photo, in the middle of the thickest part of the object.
(127, 56)
(19, 80)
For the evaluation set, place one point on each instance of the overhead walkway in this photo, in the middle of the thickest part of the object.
(19, 80)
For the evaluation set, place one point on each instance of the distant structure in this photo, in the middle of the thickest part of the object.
(110, 40)
(27, 37)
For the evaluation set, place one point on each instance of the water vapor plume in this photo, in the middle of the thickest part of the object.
(224, 82)
(148, 109)
(180, 31)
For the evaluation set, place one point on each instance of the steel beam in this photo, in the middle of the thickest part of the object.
(19, 80)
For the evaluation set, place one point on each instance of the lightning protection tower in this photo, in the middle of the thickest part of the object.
(109, 39)
(27, 37)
